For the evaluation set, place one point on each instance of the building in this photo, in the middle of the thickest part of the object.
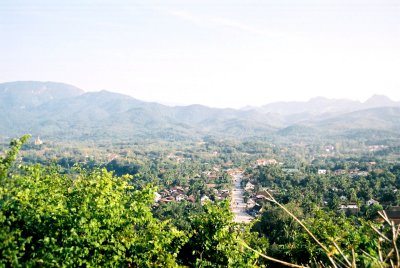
(350, 208)
(180, 197)
(249, 186)
(204, 199)
(393, 214)
(38, 141)
(157, 197)
(371, 202)
(250, 203)
(264, 162)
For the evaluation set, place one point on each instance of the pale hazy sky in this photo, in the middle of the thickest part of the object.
(218, 53)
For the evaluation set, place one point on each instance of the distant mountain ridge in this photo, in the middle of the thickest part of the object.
(24, 94)
(60, 110)
(321, 105)
(320, 108)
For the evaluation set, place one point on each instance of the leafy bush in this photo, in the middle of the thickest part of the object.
(85, 219)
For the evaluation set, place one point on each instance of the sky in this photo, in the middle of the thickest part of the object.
(217, 53)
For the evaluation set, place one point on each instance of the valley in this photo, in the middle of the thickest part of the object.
(203, 176)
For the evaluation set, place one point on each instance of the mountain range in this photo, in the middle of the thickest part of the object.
(61, 111)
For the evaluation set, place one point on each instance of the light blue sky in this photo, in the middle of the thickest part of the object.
(218, 53)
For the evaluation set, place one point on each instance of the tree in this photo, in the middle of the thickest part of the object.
(215, 241)
(11, 155)
(337, 233)
(89, 218)
(279, 228)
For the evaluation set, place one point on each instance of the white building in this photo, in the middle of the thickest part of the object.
(372, 202)
(249, 186)
(180, 197)
(157, 197)
(204, 199)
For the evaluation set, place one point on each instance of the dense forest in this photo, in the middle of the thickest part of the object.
(325, 203)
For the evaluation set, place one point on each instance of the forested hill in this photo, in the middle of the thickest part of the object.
(58, 110)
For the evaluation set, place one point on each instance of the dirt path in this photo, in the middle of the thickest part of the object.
(237, 204)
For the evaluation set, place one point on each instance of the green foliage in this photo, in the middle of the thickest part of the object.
(277, 225)
(87, 216)
(215, 241)
(93, 218)
(85, 219)
(11, 155)
(330, 229)
(121, 168)
(343, 237)
(371, 211)
(177, 213)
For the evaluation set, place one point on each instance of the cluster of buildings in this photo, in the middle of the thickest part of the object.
(256, 200)
(176, 193)
(266, 162)
(351, 172)
(177, 159)
(352, 207)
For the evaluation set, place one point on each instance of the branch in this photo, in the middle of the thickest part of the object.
(270, 258)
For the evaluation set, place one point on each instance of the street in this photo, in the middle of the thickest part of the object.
(237, 204)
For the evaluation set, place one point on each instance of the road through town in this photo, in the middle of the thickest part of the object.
(238, 205)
